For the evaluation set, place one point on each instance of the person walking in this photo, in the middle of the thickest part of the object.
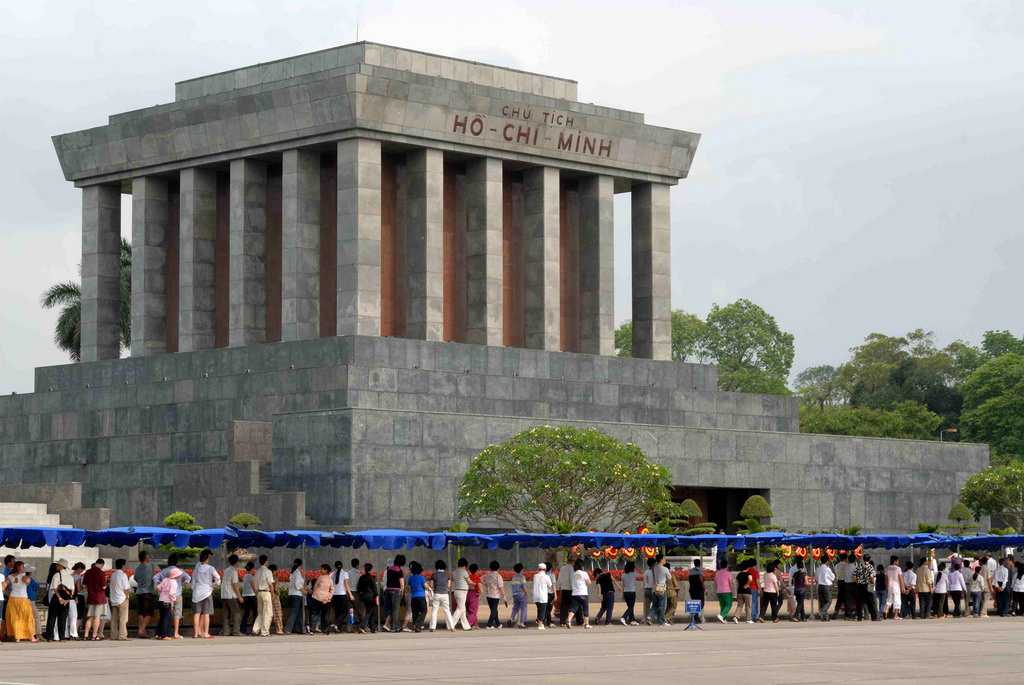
(473, 596)
(517, 586)
(542, 586)
(145, 599)
(394, 586)
(925, 585)
(1001, 587)
(770, 588)
(341, 600)
(957, 588)
(648, 578)
(168, 589)
(909, 596)
(182, 579)
(755, 590)
(725, 585)
(939, 591)
(1018, 589)
(494, 591)
(460, 590)
(580, 595)
(565, 572)
(629, 594)
(744, 594)
(296, 600)
(695, 581)
(366, 591)
(606, 588)
(440, 586)
(265, 585)
(249, 603)
(799, 580)
(230, 596)
(881, 589)
(841, 588)
(204, 579)
(95, 581)
(61, 588)
(354, 572)
(864, 583)
(978, 587)
(417, 595)
(20, 620)
(120, 590)
(320, 600)
(660, 576)
(76, 607)
(824, 579)
(894, 591)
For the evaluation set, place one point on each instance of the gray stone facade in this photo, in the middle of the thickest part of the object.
(366, 431)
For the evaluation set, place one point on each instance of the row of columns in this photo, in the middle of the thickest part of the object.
(179, 230)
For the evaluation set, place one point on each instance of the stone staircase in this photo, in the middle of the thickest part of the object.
(18, 514)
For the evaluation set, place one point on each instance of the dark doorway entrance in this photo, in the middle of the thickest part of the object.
(721, 505)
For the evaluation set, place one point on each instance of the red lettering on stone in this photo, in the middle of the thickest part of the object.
(476, 126)
(506, 132)
(605, 149)
(565, 141)
(459, 123)
(588, 145)
(523, 134)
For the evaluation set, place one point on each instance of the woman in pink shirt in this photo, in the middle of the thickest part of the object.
(168, 590)
(323, 589)
(724, 585)
(771, 589)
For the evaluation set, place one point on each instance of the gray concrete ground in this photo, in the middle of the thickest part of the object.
(966, 650)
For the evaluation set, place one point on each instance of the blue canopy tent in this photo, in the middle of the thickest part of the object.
(985, 541)
(23, 537)
(467, 539)
(386, 538)
(129, 536)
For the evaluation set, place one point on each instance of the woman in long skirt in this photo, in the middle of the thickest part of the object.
(473, 596)
(20, 622)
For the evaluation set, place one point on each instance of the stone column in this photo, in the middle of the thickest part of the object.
(197, 263)
(540, 238)
(300, 231)
(149, 265)
(652, 275)
(424, 241)
(597, 265)
(247, 308)
(359, 237)
(484, 186)
(101, 273)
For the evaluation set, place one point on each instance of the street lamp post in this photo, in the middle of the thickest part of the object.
(943, 431)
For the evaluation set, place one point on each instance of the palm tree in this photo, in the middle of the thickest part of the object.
(68, 297)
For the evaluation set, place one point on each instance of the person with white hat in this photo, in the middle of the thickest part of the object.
(542, 587)
(63, 593)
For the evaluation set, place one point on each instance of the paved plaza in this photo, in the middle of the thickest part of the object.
(967, 650)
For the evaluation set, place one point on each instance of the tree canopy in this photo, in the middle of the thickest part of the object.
(994, 404)
(563, 479)
(997, 491)
(752, 353)
(908, 420)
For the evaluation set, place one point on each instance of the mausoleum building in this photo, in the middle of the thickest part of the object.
(355, 268)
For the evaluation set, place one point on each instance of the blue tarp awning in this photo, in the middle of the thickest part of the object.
(387, 538)
(23, 537)
(128, 536)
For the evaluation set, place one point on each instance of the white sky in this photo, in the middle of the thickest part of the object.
(860, 167)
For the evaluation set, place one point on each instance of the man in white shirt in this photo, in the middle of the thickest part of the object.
(119, 587)
(204, 577)
(541, 589)
(230, 596)
(1001, 586)
(910, 583)
(265, 584)
(824, 578)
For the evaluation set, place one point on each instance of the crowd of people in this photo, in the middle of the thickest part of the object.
(405, 597)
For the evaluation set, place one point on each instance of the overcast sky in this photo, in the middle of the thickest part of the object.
(860, 168)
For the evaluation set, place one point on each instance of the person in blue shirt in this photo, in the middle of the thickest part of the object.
(418, 593)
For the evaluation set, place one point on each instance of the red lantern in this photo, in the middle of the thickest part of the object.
(801, 552)
(610, 553)
(596, 553)
(816, 553)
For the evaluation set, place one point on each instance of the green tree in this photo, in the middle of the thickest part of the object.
(819, 386)
(691, 513)
(244, 519)
(997, 343)
(756, 507)
(183, 521)
(997, 491)
(994, 404)
(753, 354)
(67, 296)
(688, 333)
(563, 479)
(908, 420)
(960, 517)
